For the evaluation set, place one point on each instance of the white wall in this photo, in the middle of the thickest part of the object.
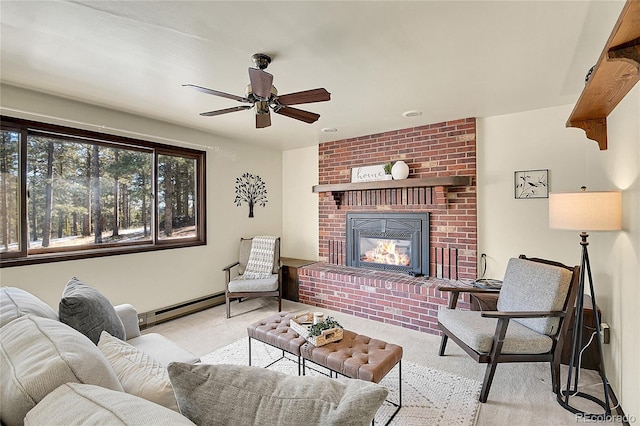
(300, 205)
(508, 227)
(157, 279)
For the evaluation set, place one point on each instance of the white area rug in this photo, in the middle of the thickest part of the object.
(429, 396)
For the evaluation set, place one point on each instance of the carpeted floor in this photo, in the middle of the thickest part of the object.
(520, 395)
(429, 396)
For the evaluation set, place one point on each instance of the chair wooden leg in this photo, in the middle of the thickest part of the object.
(279, 303)
(496, 349)
(228, 307)
(443, 344)
(488, 378)
(555, 376)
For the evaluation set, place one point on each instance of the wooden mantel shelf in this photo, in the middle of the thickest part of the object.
(615, 73)
(390, 184)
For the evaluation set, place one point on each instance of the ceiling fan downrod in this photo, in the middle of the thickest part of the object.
(261, 60)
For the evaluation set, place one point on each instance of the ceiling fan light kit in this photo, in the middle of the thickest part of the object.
(262, 95)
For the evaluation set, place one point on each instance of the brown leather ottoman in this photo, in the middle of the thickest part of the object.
(275, 331)
(355, 356)
(358, 357)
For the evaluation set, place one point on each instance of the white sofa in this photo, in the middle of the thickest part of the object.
(52, 374)
(39, 353)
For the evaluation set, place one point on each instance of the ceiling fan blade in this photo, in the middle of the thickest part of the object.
(263, 120)
(226, 110)
(305, 97)
(298, 114)
(261, 82)
(216, 93)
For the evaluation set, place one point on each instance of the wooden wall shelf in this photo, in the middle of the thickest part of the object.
(615, 73)
(338, 189)
(390, 184)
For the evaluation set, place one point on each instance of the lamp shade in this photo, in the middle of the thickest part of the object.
(586, 211)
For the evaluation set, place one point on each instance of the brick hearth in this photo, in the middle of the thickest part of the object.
(435, 150)
(392, 298)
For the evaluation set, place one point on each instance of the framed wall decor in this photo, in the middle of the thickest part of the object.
(531, 183)
(368, 173)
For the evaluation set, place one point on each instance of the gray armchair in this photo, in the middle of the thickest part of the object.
(239, 287)
(535, 305)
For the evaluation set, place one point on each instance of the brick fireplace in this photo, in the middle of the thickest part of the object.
(439, 150)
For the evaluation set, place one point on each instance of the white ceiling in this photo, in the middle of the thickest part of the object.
(448, 59)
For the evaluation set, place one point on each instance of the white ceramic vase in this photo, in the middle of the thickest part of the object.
(400, 170)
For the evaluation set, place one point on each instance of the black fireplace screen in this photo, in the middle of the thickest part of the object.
(389, 241)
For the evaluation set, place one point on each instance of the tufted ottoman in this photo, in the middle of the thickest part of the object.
(358, 357)
(275, 331)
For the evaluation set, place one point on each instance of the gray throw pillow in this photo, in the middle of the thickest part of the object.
(88, 311)
(239, 395)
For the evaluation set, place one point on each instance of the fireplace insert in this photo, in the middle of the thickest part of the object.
(389, 241)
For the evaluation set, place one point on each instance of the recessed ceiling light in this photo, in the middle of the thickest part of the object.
(411, 113)
(329, 130)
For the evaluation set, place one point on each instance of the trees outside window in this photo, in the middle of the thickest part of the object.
(91, 194)
(10, 191)
(176, 196)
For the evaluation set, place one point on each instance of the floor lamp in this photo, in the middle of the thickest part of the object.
(585, 211)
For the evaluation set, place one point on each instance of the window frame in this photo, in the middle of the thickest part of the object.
(22, 257)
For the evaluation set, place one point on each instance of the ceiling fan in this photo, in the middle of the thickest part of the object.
(262, 95)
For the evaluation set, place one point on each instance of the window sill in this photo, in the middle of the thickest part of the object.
(93, 253)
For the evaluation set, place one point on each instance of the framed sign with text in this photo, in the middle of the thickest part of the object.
(368, 173)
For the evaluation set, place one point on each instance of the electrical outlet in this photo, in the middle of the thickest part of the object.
(605, 333)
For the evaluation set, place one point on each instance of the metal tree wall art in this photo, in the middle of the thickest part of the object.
(251, 190)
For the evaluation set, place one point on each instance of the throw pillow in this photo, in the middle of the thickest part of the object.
(15, 302)
(78, 404)
(88, 311)
(235, 394)
(139, 373)
(39, 354)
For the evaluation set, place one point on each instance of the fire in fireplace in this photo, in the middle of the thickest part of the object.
(382, 250)
(389, 241)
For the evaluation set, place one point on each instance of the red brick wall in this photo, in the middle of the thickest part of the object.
(442, 149)
(391, 298)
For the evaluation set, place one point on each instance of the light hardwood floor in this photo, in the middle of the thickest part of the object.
(520, 395)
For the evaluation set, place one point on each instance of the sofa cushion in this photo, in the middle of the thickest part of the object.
(139, 374)
(78, 404)
(88, 311)
(259, 284)
(162, 349)
(477, 332)
(39, 354)
(239, 395)
(15, 302)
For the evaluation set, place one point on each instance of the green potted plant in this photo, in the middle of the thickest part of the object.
(387, 171)
(324, 332)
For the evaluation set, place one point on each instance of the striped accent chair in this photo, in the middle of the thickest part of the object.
(535, 305)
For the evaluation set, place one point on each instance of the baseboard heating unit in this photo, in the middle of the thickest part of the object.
(149, 319)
